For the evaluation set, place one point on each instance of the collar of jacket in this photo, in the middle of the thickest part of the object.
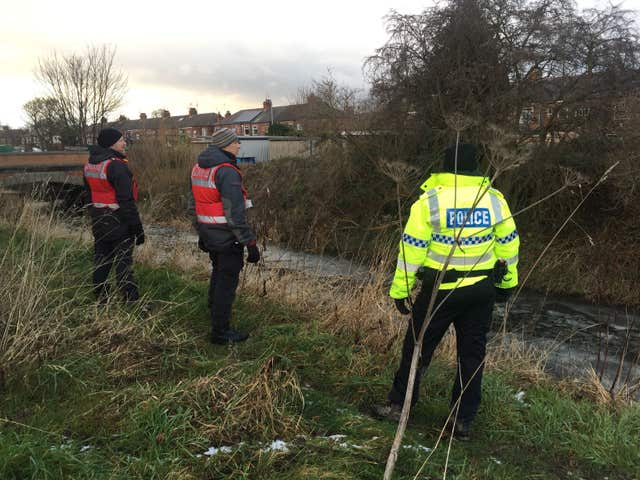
(213, 156)
(450, 180)
(98, 154)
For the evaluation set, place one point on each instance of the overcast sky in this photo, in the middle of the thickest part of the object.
(213, 55)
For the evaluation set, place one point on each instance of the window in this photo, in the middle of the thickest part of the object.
(526, 116)
(621, 112)
(582, 112)
(549, 112)
(247, 131)
(254, 130)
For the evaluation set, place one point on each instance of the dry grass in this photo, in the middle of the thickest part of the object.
(162, 173)
(31, 326)
(240, 402)
(45, 313)
(231, 404)
(592, 388)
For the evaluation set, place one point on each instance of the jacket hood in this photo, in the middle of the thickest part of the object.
(98, 154)
(213, 156)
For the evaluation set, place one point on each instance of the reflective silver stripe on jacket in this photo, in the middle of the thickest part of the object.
(497, 208)
(112, 206)
(248, 203)
(512, 260)
(467, 261)
(90, 171)
(101, 175)
(434, 209)
(407, 267)
(210, 219)
(203, 183)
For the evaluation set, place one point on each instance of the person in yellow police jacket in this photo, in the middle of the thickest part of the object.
(458, 209)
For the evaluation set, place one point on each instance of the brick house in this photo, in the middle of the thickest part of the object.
(256, 121)
(198, 125)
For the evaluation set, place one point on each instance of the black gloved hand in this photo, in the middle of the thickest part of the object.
(401, 306)
(500, 269)
(139, 238)
(137, 232)
(202, 246)
(503, 294)
(254, 253)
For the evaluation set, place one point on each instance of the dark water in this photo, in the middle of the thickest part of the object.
(579, 335)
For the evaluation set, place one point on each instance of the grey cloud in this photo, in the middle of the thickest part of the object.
(236, 70)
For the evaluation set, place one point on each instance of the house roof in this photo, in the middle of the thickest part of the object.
(148, 123)
(243, 116)
(283, 114)
(199, 120)
(178, 121)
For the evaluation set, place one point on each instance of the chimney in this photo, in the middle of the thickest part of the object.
(122, 118)
(166, 114)
(228, 114)
(192, 111)
(143, 116)
(266, 105)
(534, 74)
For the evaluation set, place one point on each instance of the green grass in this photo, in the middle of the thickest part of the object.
(152, 396)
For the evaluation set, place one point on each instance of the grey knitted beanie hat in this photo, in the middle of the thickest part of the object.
(223, 137)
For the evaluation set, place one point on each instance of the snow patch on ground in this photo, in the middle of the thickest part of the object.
(417, 448)
(217, 450)
(276, 446)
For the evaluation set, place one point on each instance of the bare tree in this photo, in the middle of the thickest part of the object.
(86, 88)
(491, 59)
(327, 106)
(44, 120)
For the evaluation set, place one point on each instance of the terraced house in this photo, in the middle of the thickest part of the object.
(247, 122)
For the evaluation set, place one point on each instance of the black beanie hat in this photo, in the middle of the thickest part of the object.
(467, 158)
(108, 137)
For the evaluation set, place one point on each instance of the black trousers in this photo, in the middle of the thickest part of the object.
(119, 252)
(225, 274)
(469, 309)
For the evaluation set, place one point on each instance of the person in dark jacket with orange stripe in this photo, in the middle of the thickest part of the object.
(219, 202)
(115, 222)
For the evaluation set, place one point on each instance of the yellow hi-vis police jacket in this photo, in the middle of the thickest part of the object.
(437, 218)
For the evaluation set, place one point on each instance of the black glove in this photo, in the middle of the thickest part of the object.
(254, 253)
(500, 269)
(202, 246)
(503, 294)
(401, 306)
(137, 232)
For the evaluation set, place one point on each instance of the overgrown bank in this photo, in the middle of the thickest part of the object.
(342, 202)
(93, 392)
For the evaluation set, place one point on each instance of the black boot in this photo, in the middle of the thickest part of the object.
(462, 430)
(387, 411)
(230, 335)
